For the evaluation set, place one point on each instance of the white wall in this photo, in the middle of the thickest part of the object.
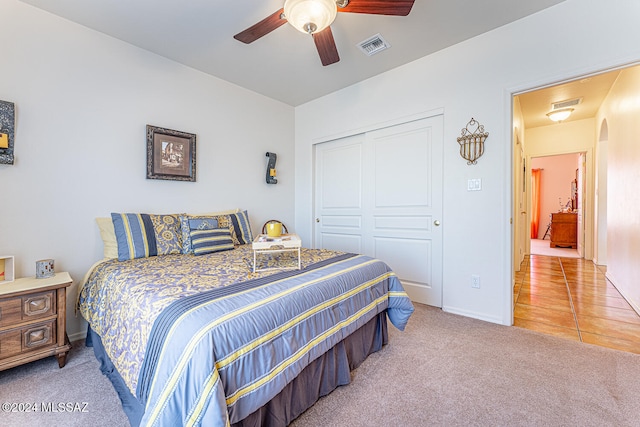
(474, 79)
(600, 196)
(82, 103)
(621, 110)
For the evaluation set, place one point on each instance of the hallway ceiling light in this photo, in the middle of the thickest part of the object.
(560, 115)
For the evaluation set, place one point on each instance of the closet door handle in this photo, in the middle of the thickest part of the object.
(436, 223)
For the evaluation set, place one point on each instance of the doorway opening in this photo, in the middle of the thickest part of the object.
(556, 294)
(557, 194)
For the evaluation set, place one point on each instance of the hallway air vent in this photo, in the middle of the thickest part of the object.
(373, 45)
(565, 104)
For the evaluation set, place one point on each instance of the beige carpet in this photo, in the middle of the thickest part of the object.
(542, 247)
(42, 385)
(444, 370)
(448, 370)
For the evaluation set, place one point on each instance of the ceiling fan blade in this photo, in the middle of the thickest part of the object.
(262, 28)
(379, 7)
(326, 46)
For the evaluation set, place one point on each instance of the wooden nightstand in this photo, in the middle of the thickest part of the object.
(33, 317)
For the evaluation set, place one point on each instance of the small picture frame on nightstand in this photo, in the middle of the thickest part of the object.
(6, 269)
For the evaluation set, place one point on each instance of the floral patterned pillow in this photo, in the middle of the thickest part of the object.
(168, 235)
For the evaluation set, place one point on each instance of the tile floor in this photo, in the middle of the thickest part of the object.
(571, 298)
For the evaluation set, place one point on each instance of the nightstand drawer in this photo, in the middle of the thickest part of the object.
(28, 338)
(35, 306)
(10, 311)
(38, 335)
(10, 343)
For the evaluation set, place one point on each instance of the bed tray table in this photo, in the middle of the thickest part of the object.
(264, 244)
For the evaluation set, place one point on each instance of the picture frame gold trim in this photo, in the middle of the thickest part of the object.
(171, 154)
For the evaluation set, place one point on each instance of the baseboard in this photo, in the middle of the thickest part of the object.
(635, 307)
(78, 336)
(473, 314)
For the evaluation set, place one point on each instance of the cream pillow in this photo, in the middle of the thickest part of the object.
(227, 212)
(108, 234)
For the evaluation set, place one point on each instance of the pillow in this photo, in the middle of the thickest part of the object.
(236, 221)
(203, 223)
(167, 233)
(218, 213)
(209, 241)
(189, 222)
(241, 228)
(135, 235)
(108, 235)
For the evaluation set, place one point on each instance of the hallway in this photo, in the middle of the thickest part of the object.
(571, 298)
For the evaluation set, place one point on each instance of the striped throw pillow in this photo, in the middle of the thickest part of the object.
(209, 241)
(241, 228)
(135, 235)
(193, 222)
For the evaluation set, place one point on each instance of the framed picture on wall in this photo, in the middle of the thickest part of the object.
(171, 154)
(7, 127)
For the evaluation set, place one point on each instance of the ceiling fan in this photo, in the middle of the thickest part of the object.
(316, 16)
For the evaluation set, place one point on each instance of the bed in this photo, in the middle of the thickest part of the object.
(192, 339)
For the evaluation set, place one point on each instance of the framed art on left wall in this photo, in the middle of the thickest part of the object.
(171, 154)
(7, 130)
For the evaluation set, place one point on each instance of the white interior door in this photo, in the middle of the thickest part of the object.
(380, 194)
(338, 194)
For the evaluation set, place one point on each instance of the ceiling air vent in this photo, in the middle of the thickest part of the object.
(565, 104)
(373, 45)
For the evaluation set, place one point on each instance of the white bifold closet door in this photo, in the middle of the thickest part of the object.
(379, 193)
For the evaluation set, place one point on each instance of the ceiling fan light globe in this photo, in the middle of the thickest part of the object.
(304, 15)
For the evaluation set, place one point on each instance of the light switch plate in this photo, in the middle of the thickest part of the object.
(474, 184)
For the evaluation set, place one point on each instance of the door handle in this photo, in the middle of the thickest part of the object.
(317, 219)
(436, 223)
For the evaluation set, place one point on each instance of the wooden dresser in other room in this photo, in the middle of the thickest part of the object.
(564, 230)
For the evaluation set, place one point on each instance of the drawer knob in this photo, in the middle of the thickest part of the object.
(37, 305)
(37, 336)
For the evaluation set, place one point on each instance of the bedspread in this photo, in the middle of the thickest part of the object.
(202, 341)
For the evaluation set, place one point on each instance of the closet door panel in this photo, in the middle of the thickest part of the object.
(405, 204)
(339, 194)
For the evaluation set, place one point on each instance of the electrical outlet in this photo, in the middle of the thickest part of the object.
(475, 281)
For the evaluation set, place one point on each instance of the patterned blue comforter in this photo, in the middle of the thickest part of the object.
(227, 341)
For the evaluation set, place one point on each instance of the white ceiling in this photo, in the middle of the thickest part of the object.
(284, 64)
